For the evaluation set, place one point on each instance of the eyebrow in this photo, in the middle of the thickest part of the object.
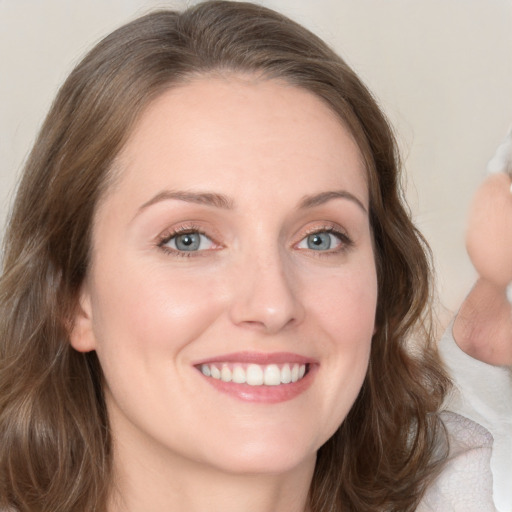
(226, 203)
(206, 198)
(324, 197)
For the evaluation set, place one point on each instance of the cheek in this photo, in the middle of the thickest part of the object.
(151, 311)
(345, 312)
(346, 303)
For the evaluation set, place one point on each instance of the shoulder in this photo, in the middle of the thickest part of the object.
(465, 483)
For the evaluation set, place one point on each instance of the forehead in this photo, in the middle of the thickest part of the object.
(226, 130)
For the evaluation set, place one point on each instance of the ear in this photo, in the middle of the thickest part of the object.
(81, 334)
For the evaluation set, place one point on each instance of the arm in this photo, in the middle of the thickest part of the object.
(483, 327)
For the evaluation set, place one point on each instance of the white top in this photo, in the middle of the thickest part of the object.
(465, 484)
(483, 394)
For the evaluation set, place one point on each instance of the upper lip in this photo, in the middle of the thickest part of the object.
(261, 358)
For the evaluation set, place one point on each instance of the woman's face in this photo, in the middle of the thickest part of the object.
(232, 289)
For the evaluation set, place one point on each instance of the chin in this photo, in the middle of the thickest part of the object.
(267, 462)
(277, 453)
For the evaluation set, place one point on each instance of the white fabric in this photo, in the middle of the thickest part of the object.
(484, 394)
(465, 484)
(502, 159)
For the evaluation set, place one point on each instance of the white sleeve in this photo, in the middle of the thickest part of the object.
(483, 393)
(465, 483)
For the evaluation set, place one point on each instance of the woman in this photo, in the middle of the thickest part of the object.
(210, 284)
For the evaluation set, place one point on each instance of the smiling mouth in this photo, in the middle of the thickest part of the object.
(255, 374)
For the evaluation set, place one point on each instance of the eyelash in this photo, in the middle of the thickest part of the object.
(345, 241)
(166, 237)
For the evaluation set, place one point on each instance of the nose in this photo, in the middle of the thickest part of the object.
(266, 295)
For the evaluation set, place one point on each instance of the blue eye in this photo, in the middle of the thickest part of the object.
(188, 242)
(321, 241)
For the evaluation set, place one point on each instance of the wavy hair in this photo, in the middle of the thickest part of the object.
(55, 442)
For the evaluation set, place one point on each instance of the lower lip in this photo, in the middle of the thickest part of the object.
(264, 394)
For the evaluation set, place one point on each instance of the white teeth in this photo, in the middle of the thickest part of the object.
(225, 374)
(215, 372)
(286, 374)
(255, 374)
(272, 375)
(238, 375)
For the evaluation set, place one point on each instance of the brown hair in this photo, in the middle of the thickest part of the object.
(55, 445)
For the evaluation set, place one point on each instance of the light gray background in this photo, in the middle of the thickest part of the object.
(441, 69)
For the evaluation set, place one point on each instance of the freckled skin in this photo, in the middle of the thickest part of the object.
(483, 327)
(151, 312)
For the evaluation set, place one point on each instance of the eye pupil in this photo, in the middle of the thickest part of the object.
(318, 241)
(188, 242)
